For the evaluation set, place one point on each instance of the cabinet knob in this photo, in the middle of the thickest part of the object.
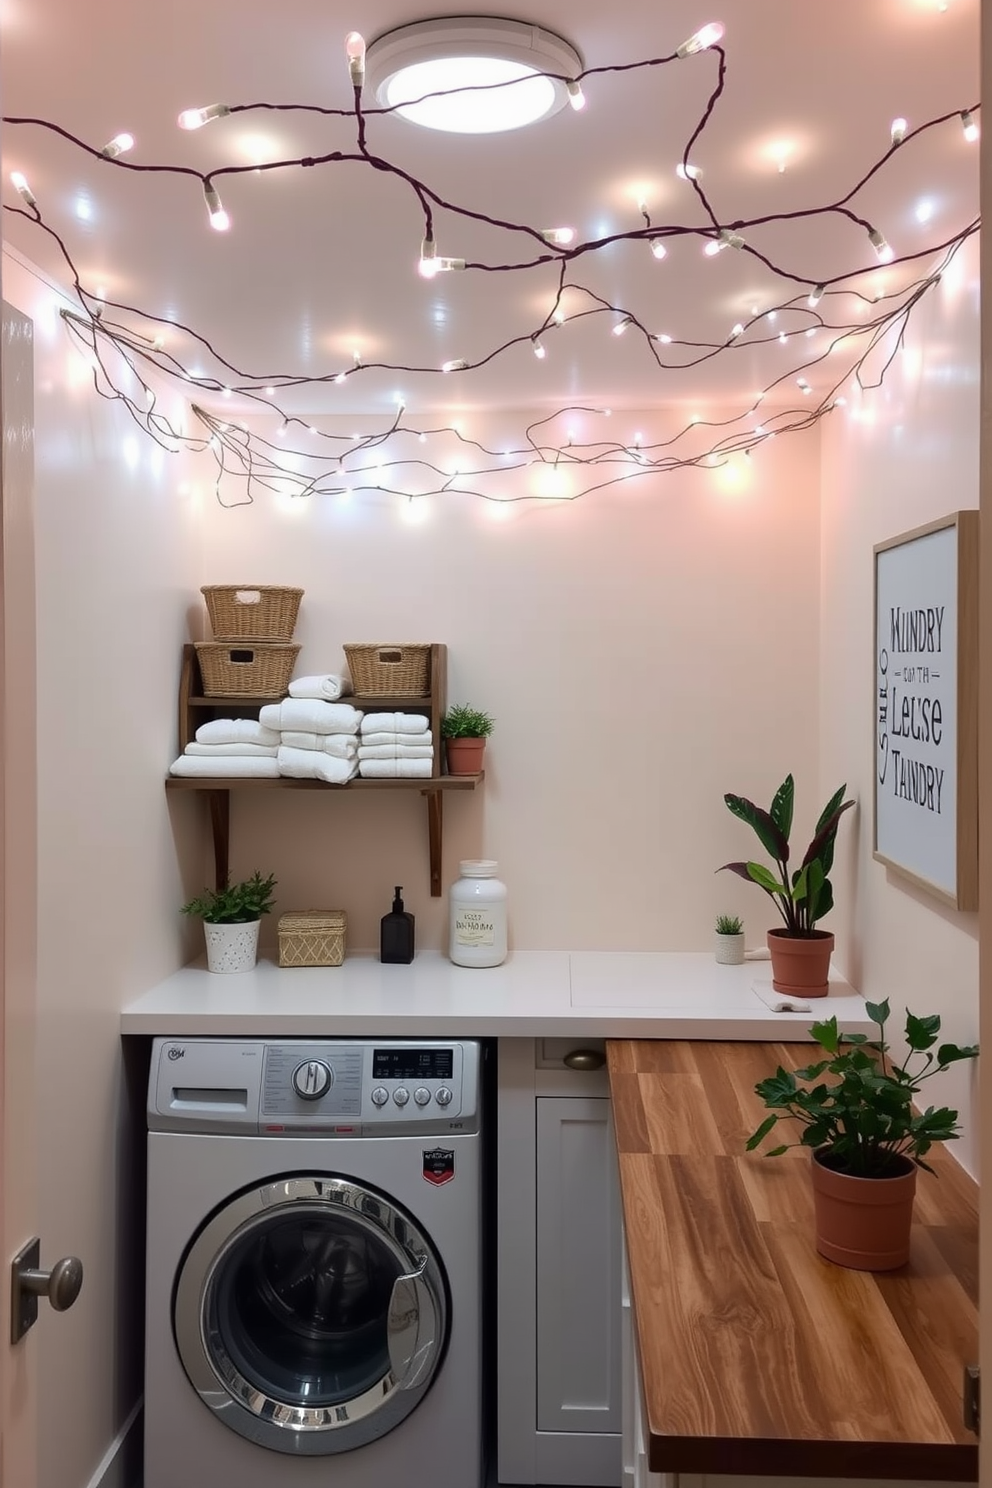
(585, 1059)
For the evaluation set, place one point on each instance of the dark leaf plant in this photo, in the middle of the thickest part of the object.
(237, 904)
(859, 1104)
(802, 895)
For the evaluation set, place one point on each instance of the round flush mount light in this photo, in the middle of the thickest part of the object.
(486, 74)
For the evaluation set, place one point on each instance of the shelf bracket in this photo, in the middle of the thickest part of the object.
(220, 826)
(435, 809)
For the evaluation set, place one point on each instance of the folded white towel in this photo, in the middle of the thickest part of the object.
(238, 751)
(345, 746)
(329, 686)
(226, 767)
(389, 769)
(314, 764)
(235, 731)
(398, 723)
(395, 751)
(390, 736)
(779, 1002)
(311, 716)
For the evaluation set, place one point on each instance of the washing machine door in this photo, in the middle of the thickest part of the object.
(311, 1314)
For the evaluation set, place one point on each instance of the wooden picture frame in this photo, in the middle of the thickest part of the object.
(925, 756)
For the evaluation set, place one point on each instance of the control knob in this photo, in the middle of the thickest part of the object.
(443, 1096)
(401, 1096)
(422, 1095)
(380, 1095)
(312, 1079)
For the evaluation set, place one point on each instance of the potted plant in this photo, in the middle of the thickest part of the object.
(231, 920)
(800, 953)
(866, 1137)
(729, 940)
(465, 731)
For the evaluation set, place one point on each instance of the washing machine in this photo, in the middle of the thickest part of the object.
(313, 1315)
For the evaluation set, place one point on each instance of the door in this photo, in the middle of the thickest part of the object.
(310, 1314)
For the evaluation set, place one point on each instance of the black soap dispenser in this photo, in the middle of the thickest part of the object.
(396, 933)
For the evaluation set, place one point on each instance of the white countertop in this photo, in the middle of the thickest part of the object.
(617, 994)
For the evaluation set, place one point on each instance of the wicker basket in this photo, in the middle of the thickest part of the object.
(260, 612)
(381, 670)
(241, 670)
(312, 937)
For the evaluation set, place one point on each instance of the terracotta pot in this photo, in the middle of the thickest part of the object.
(863, 1223)
(801, 967)
(465, 756)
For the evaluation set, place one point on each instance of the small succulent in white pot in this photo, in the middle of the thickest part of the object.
(729, 940)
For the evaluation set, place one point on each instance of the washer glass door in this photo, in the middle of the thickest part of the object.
(310, 1314)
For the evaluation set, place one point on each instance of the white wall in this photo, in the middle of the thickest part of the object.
(116, 557)
(897, 458)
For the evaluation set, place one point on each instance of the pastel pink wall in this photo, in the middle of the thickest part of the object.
(116, 555)
(643, 650)
(895, 459)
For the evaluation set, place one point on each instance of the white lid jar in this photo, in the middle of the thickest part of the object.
(477, 915)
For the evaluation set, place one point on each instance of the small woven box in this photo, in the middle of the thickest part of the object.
(259, 612)
(256, 669)
(312, 937)
(383, 670)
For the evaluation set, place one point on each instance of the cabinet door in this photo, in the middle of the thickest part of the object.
(578, 1267)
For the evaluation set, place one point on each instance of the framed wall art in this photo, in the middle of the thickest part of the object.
(926, 707)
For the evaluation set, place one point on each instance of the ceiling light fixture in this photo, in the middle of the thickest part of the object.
(505, 74)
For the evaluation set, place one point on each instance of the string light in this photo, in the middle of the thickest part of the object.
(658, 248)
(428, 258)
(219, 220)
(19, 181)
(707, 36)
(898, 131)
(118, 146)
(687, 172)
(539, 349)
(195, 118)
(881, 247)
(576, 97)
(458, 365)
(621, 325)
(969, 126)
(355, 50)
(815, 296)
(738, 330)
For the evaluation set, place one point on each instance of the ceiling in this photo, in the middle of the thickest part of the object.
(321, 262)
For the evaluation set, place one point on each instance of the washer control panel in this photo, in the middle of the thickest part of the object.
(340, 1087)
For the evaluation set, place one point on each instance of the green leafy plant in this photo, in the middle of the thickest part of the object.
(807, 896)
(235, 905)
(863, 1113)
(729, 925)
(462, 722)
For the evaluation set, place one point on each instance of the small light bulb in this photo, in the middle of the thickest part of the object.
(898, 131)
(738, 330)
(270, 392)
(558, 316)
(118, 145)
(458, 365)
(715, 246)
(340, 377)
(803, 384)
(707, 36)
(539, 350)
(19, 181)
(355, 48)
(559, 236)
(658, 248)
(428, 260)
(621, 326)
(881, 247)
(969, 126)
(448, 265)
(576, 97)
(687, 172)
(782, 338)
(665, 340)
(196, 118)
(815, 296)
(219, 220)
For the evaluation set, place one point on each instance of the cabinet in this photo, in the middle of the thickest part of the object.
(558, 1269)
(196, 707)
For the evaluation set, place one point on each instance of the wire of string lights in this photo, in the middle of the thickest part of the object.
(850, 326)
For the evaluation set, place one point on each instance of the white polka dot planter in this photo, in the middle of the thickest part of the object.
(231, 947)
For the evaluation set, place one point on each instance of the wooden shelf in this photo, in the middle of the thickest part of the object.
(195, 707)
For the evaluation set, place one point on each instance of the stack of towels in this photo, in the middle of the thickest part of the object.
(316, 739)
(231, 747)
(396, 745)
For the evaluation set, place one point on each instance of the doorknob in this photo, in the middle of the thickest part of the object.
(28, 1282)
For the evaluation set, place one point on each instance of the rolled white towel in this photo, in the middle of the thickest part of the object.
(344, 746)
(329, 686)
(395, 751)
(237, 751)
(397, 723)
(314, 764)
(389, 769)
(390, 736)
(227, 767)
(235, 731)
(311, 716)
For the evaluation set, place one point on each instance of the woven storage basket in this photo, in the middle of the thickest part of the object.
(241, 669)
(389, 670)
(312, 937)
(261, 612)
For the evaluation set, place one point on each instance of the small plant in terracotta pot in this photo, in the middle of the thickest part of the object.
(729, 938)
(800, 952)
(867, 1138)
(465, 731)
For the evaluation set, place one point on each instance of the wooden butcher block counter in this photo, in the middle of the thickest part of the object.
(755, 1355)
